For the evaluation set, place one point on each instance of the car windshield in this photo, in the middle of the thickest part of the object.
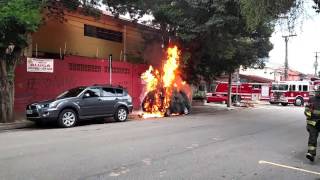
(281, 87)
(71, 93)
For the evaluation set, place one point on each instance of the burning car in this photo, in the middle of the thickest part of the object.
(165, 92)
(154, 101)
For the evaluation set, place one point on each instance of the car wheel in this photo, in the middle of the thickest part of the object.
(284, 104)
(167, 113)
(186, 110)
(67, 118)
(273, 102)
(121, 114)
(298, 102)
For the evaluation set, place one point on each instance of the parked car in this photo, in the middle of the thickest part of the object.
(92, 102)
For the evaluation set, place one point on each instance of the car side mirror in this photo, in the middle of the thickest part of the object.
(86, 95)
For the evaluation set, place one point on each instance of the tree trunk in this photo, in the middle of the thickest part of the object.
(7, 68)
(229, 101)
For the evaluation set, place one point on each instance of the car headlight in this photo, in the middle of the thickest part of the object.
(130, 99)
(41, 106)
(53, 105)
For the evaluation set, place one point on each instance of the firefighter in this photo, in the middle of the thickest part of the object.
(312, 112)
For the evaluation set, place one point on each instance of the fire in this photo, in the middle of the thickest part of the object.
(151, 79)
(161, 84)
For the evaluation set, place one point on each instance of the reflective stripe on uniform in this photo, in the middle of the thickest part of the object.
(313, 123)
(308, 113)
(311, 148)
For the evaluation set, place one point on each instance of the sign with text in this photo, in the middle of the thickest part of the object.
(40, 65)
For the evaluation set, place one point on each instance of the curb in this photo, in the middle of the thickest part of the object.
(15, 125)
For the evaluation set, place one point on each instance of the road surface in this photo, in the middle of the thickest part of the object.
(208, 144)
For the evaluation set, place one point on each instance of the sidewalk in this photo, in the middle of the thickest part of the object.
(15, 125)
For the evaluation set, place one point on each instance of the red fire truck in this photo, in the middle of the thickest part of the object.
(291, 92)
(240, 91)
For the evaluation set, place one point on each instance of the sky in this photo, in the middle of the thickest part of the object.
(302, 48)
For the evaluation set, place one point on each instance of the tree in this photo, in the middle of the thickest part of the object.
(216, 36)
(18, 20)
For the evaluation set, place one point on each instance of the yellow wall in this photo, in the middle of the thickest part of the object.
(54, 35)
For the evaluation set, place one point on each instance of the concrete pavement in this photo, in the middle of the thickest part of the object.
(205, 145)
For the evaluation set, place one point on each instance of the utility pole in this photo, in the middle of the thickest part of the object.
(316, 65)
(286, 39)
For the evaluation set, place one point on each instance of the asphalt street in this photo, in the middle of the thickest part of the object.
(265, 142)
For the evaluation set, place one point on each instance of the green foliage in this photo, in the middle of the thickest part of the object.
(56, 8)
(199, 95)
(257, 11)
(18, 18)
(317, 5)
(216, 36)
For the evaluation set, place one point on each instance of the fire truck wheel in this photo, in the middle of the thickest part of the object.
(284, 104)
(299, 102)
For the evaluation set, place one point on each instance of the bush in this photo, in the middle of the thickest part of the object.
(199, 95)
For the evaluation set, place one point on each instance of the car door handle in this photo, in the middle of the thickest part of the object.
(99, 99)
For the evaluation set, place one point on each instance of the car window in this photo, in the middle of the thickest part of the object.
(119, 92)
(125, 93)
(108, 92)
(71, 93)
(256, 86)
(93, 92)
(292, 88)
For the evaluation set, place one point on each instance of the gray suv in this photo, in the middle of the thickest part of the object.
(93, 102)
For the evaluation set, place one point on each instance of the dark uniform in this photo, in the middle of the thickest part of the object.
(312, 112)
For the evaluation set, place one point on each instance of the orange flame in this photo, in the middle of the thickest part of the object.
(162, 85)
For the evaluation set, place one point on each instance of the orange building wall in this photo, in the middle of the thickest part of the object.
(55, 35)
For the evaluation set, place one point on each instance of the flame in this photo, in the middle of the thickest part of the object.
(162, 85)
(151, 79)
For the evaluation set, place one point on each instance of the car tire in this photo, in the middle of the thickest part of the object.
(121, 114)
(273, 102)
(299, 102)
(186, 110)
(167, 113)
(67, 118)
(284, 104)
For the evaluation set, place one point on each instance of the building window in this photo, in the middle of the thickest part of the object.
(101, 33)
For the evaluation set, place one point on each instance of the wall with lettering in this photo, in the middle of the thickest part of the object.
(72, 72)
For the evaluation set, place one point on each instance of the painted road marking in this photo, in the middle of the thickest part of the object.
(289, 167)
